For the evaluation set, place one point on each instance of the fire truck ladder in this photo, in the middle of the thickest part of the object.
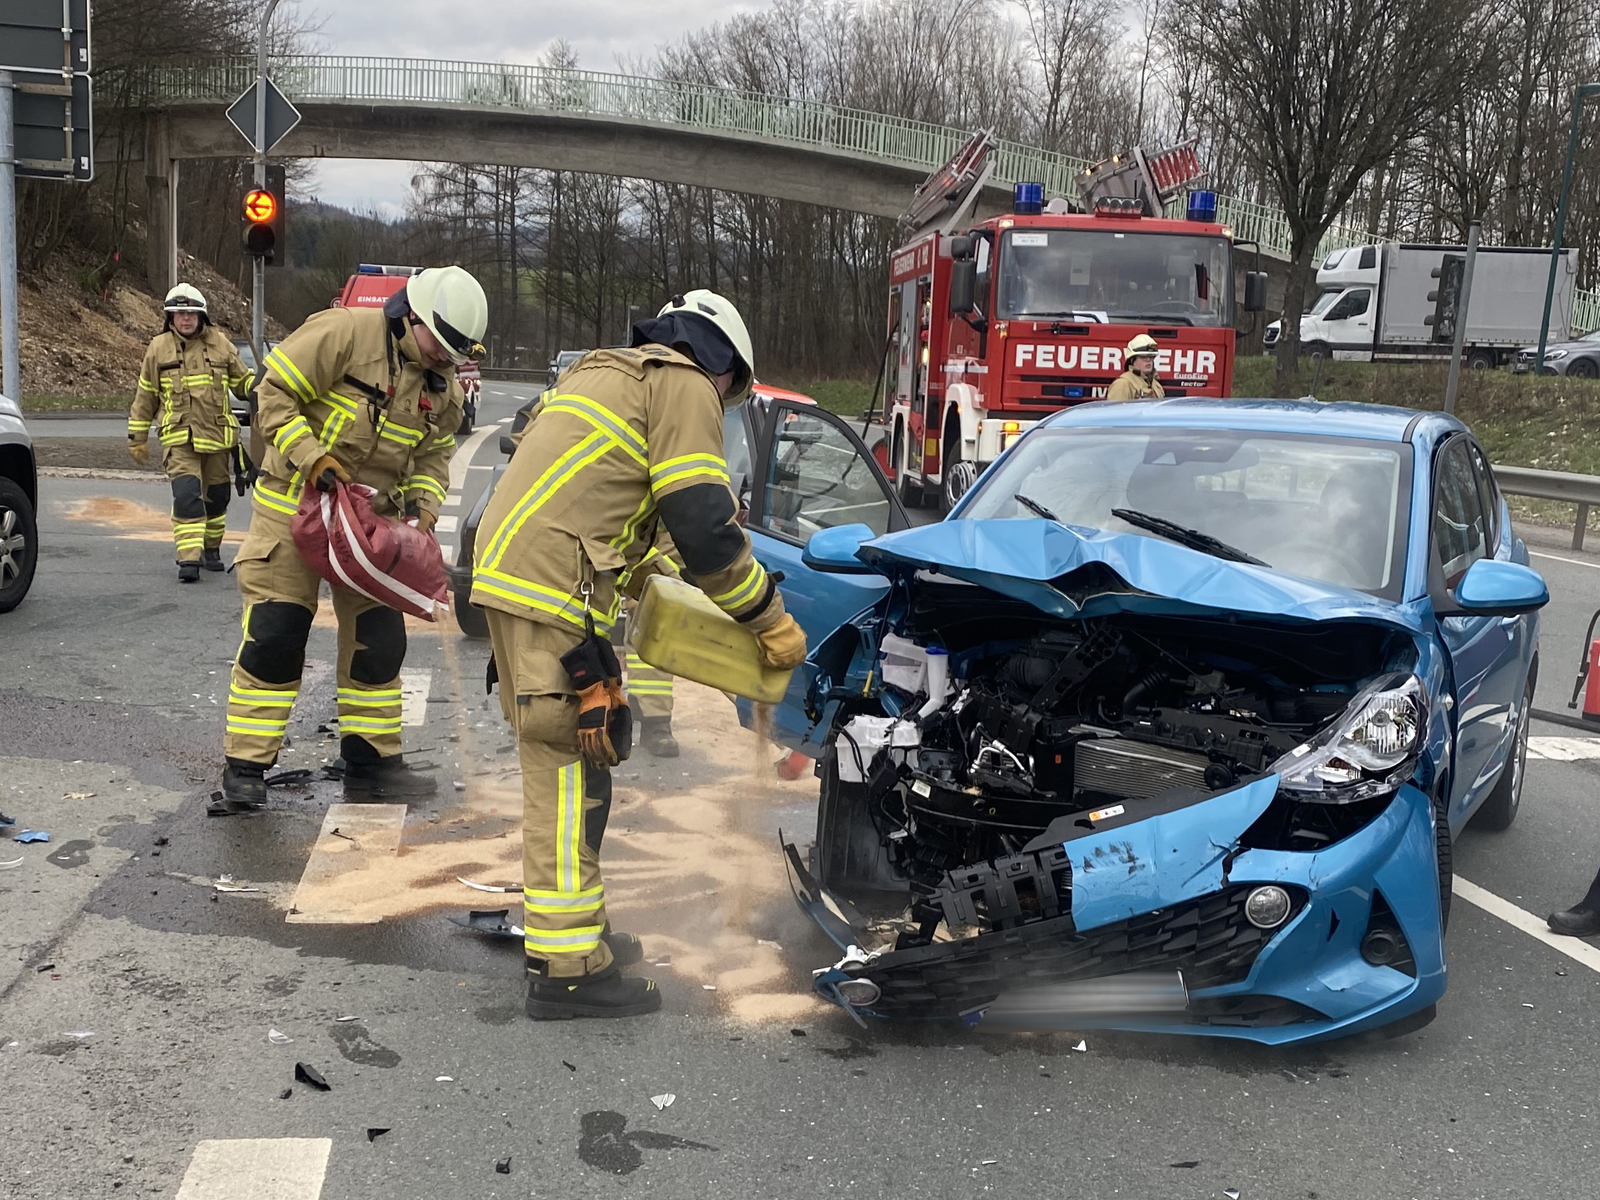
(951, 192)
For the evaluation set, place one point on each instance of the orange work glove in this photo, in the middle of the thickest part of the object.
(325, 471)
(139, 452)
(426, 520)
(783, 647)
(594, 723)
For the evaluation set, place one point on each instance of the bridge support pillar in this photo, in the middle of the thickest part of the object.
(161, 207)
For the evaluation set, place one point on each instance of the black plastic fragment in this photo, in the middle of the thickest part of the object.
(46, 967)
(502, 1166)
(219, 806)
(797, 1033)
(1186, 1165)
(289, 778)
(309, 1074)
(490, 921)
(568, 1065)
(373, 1134)
(285, 1094)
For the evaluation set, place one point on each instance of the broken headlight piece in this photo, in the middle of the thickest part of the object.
(1371, 750)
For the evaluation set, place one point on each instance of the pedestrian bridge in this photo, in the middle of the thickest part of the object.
(440, 111)
(434, 110)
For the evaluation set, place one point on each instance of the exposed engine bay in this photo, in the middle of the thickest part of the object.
(946, 805)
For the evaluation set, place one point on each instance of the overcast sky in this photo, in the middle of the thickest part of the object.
(602, 32)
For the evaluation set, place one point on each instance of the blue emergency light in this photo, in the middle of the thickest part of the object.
(1027, 199)
(1203, 207)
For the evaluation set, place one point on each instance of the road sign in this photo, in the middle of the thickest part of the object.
(281, 115)
(54, 125)
(32, 37)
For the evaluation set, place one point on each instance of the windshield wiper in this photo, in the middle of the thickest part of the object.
(1191, 538)
(1035, 506)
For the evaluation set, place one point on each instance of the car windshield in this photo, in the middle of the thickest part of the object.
(1324, 302)
(1324, 508)
(1178, 278)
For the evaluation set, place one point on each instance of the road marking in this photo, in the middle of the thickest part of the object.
(367, 835)
(447, 551)
(1577, 562)
(1535, 927)
(260, 1168)
(1564, 749)
(446, 523)
(462, 458)
(451, 500)
(414, 685)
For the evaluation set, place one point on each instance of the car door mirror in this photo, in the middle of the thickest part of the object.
(1255, 291)
(1493, 588)
(834, 550)
(507, 446)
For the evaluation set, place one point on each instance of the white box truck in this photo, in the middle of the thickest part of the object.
(1381, 303)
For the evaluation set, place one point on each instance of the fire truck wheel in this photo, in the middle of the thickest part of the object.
(960, 474)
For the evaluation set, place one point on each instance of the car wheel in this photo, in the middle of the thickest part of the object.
(469, 414)
(1583, 368)
(1444, 852)
(1500, 809)
(1480, 360)
(469, 617)
(958, 476)
(19, 544)
(1317, 350)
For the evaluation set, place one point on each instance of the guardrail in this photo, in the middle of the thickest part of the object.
(1582, 490)
(515, 374)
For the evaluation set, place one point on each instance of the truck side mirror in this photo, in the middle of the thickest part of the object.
(961, 246)
(1255, 291)
(963, 286)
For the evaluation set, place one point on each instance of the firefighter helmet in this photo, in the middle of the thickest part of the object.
(719, 312)
(185, 298)
(1143, 346)
(451, 304)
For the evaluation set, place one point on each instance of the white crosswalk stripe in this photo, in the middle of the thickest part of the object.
(257, 1168)
(1564, 749)
(415, 683)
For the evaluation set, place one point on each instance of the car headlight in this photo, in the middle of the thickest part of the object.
(1554, 355)
(1371, 750)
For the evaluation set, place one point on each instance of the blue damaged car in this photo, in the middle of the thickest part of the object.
(1192, 695)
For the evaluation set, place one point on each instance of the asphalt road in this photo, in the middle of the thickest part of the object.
(136, 1000)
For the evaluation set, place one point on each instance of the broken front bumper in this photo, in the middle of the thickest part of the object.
(1167, 893)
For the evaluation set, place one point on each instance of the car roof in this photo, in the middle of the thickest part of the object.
(1375, 422)
(778, 393)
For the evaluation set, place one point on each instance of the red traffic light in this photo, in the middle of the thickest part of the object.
(260, 206)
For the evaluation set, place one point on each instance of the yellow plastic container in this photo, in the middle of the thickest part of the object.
(676, 628)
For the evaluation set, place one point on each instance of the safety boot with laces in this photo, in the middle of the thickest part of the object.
(244, 784)
(608, 994)
(656, 736)
(188, 572)
(211, 558)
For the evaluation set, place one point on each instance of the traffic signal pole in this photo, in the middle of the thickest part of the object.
(1463, 311)
(10, 339)
(258, 268)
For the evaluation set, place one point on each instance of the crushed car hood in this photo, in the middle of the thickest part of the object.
(1071, 571)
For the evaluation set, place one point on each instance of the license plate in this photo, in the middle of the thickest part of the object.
(1135, 994)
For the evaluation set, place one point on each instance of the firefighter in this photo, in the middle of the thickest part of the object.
(188, 370)
(355, 394)
(1139, 381)
(631, 444)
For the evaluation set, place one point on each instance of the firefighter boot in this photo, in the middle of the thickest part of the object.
(656, 734)
(367, 776)
(211, 558)
(1583, 918)
(608, 994)
(188, 572)
(244, 784)
(626, 948)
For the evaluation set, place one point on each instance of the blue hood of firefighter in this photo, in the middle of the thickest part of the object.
(1070, 571)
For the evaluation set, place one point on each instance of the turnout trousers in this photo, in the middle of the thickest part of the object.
(280, 600)
(200, 486)
(649, 689)
(565, 803)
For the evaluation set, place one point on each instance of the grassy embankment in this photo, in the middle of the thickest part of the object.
(1549, 422)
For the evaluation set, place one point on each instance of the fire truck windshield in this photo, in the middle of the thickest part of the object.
(1122, 274)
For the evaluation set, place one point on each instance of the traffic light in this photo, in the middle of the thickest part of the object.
(262, 213)
(1446, 297)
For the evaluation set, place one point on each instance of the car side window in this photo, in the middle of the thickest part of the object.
(736, 452)
(1488, 497)
(1351, 304)
(817, 478)
(1459, 526)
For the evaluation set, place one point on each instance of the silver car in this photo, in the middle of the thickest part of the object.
(19, 498)
(1579, 358)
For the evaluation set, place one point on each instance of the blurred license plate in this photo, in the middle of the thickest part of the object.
(1055, 1006)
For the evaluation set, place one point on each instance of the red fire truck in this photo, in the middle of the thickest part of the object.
(369, 287)
(996, 326)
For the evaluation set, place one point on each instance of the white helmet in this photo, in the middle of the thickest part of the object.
(451, 303)
(185, 298)
(719, 312)
(1143, 345)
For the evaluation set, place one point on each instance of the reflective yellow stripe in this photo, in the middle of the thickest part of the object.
(278, 501)
(343, 403)
(212, 447)
(298, 427)
(147, 386)
(643, 688)
(353, 692)
(176, 438)
(562, 941)
(558, 604)
(197, 380)
(558, 473)
(368, 725)
(687, 466)
(569, 796)
(256, 725)
(688, 473)
(262, 698)
(335, 425)
(423, 483)
(586, 901)
(745, 591)
(447, 442)
(630, 530)
(399, 433)
(138, 426)
(603, 419)
(290, 374)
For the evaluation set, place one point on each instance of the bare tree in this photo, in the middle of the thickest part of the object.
(1329, 89)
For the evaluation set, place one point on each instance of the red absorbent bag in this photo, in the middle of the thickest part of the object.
(344, 541)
